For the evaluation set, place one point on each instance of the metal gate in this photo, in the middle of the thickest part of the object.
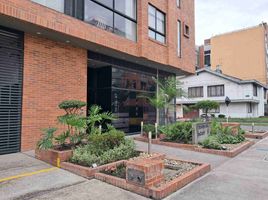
(11, 66)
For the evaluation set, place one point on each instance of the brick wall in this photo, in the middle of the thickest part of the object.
(46, 19)
(53, 72)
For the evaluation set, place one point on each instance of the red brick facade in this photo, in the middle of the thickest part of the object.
(44, 18)
(56, 71)
(53, 72)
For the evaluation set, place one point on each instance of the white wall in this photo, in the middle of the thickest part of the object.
(240, 94)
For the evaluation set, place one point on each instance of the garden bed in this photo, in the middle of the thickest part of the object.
(177, 174)
(257, 135)
(89, 172)
(232, 149)
(51, 156)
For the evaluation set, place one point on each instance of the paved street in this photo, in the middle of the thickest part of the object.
(242, 178)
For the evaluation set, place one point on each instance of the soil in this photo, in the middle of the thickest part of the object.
(174, 169)
(119, 171)
(232, 146)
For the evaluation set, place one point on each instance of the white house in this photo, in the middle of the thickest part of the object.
(248, 97)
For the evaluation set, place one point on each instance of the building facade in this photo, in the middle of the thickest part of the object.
(248, 97)
(242, 53)
(100, 52)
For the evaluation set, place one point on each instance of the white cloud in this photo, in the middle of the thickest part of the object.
(219, 16)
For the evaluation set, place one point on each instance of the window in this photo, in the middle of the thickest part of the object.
(186, 31)
(115, 16)
(249, 107)
(157, 24)
(255, 90)
(179, 38)
(194, 92)
(264, 93)
(216, 91)
(56, 4)
(207, 60)
(178, 3)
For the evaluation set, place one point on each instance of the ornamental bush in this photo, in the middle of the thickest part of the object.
(85, 155)
(180, 132)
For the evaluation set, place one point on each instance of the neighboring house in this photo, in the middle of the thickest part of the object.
(248, 96)
(100, 52)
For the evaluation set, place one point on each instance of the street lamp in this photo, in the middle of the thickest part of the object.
(227, 102)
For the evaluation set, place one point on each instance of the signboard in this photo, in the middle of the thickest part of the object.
(200, 132)
(135, 176)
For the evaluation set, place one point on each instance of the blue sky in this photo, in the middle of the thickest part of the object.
(213, 17)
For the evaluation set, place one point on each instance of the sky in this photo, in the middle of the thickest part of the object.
(213, 17)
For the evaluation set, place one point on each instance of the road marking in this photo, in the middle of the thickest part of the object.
(28, 174)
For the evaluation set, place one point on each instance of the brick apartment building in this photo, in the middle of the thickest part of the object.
(103, 52)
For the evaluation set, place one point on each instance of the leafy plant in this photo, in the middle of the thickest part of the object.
(180, 132)
(84, 156)
(211, 142)
(207, 105)
(149, 128)
(103, 142)
(72, 106)
(46, 142)
(97, 117)
(62, 138)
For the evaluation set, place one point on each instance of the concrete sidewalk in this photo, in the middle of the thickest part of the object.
(242, 178)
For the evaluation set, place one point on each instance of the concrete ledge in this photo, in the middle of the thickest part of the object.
(158, 192)
(256, 135)
(190, 147)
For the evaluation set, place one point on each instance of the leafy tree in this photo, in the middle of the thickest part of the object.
(74, 120)
(207, 105)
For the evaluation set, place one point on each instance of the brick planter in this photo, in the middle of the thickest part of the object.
(157, 192)
(50, 156)
(190, 147)
(89, 172)
(256, 135)
(234, 126)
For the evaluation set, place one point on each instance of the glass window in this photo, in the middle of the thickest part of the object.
(178, 3)
(125, 27)
(157, 24)
(216, 91)
(119, 17)
(108, 3)
(194, 92)
(179, 38)
(55, 4)
(255, 90)
(127, 7)
(264, 93)
(250, 108)
(98, 16)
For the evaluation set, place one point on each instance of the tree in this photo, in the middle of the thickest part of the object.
(170, 88)
(167, 90)
(207, 105)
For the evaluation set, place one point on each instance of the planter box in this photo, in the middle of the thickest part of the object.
(256, 135)
(235, 127)
(190, 147)
(51, 156)
(157, 192)
(89, 172)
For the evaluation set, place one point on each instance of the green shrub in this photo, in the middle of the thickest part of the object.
(46, 142)
(211, 142)
(180, 132)
(103, 142)
(71, 105)
(84, 156)
(221, 116)
(149, 127)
